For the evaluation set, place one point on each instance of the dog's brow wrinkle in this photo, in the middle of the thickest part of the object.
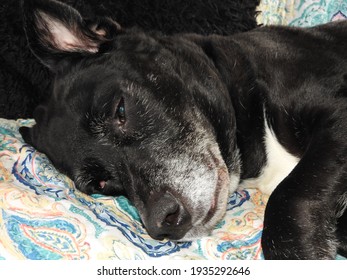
(105, 105)
(242, 105)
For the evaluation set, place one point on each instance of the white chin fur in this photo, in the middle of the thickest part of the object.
(202, 230)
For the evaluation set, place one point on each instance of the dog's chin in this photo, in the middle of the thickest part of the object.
(217, 208)
(204, 229)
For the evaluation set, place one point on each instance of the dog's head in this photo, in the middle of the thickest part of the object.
(130, 113)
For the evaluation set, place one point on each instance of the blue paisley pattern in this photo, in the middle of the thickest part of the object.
(43, 216)
(301, 12)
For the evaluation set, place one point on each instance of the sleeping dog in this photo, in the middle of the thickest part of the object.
(175, 123)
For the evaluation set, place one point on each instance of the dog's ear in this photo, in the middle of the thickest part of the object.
(56, 31)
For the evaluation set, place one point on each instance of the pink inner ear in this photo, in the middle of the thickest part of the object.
(100, 32)
(65, 39)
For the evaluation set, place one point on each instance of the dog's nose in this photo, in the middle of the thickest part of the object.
(167, 217)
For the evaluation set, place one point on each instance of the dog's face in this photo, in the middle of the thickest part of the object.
(141, 115)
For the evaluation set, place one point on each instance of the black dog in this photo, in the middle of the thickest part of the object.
(174, 122)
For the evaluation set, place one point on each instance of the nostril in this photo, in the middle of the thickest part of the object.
(167, 218)
(173, 217)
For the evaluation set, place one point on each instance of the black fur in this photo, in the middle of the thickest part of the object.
(24, 82)
(172, 121)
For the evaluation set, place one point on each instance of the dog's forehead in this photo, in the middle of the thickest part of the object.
(143, 82)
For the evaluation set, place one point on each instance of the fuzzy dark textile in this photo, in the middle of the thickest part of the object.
(24, 82)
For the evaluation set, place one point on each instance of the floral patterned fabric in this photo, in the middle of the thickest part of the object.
(301, 12)
(43, 216)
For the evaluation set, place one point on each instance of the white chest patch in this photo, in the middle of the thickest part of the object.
(279, 164)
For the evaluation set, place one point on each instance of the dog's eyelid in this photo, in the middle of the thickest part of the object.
(120, 112)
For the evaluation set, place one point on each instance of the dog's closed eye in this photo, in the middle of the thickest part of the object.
(93, 185)
(102, 184)
(109, 187)
(94, 178)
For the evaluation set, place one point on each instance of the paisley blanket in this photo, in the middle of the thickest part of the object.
(42, 215)
(301, 12)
